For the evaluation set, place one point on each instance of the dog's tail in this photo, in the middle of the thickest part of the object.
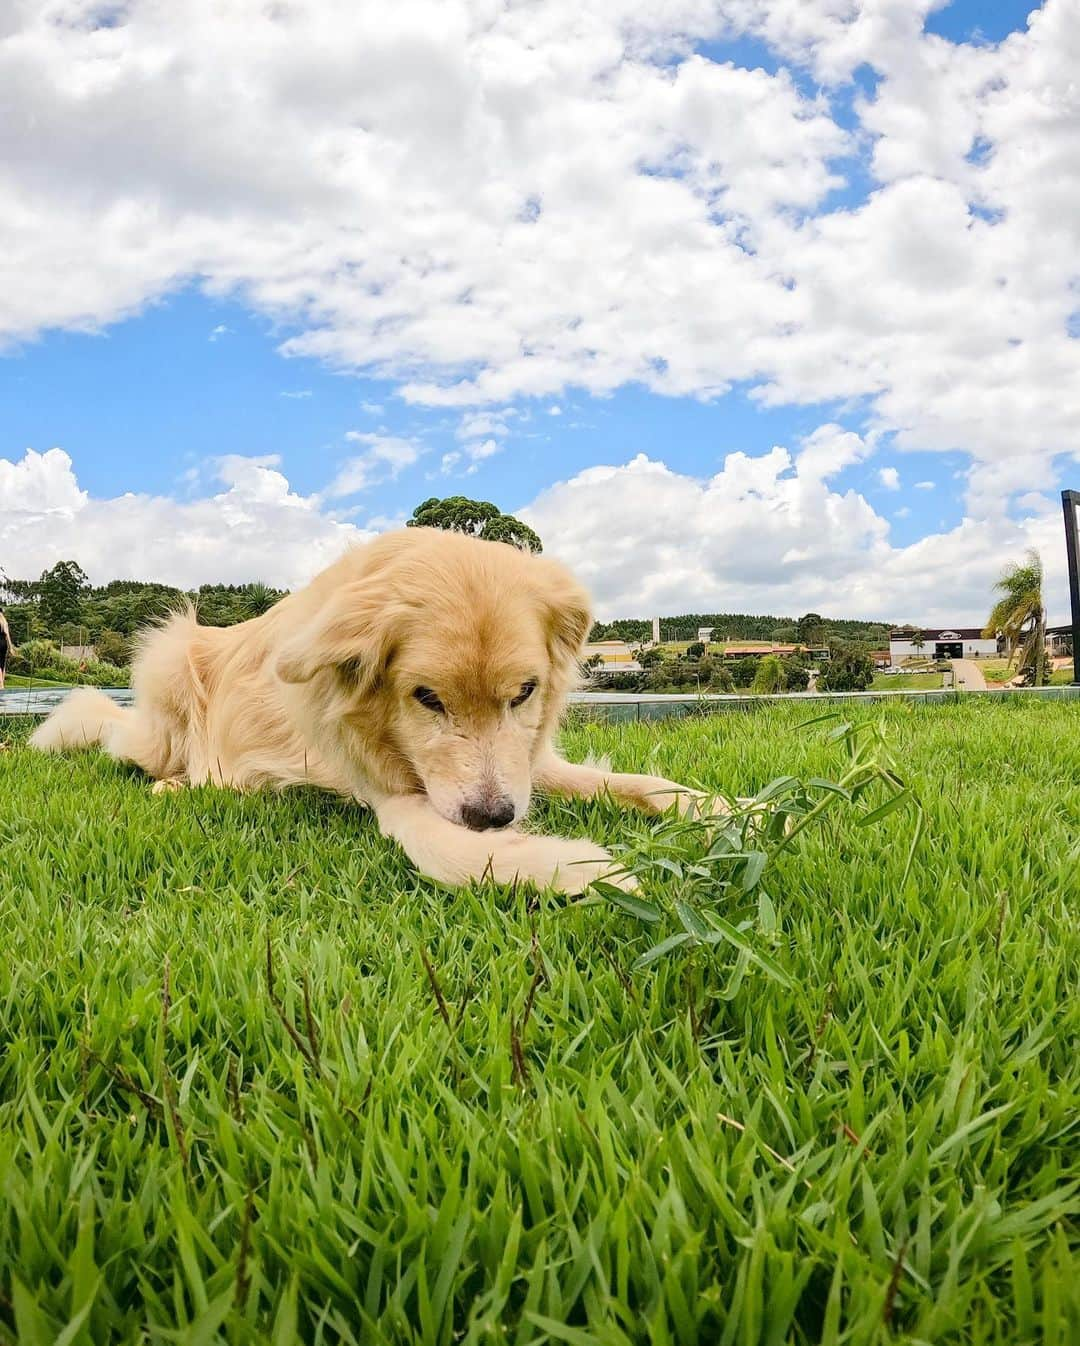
(82, 720)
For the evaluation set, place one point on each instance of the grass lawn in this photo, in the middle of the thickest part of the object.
(905, 682)
(14, 680)
(998, 671)
(443, 1117)
(715, 648)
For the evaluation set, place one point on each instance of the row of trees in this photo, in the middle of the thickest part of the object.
(849, 669)
(63, 607)
(811, 630)
(62, 604)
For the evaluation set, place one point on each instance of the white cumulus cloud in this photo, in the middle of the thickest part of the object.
(383, 457)
(256, 528)
(481, 201)
(763, 536)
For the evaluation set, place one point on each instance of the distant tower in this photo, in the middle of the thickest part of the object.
(656, 630)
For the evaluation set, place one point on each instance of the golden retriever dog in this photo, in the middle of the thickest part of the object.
(423, 674)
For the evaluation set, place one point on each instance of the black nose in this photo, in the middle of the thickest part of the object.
(482, 816)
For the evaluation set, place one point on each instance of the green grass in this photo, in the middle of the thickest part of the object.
(16, 680)
(464, 1117)
(715, 647)
(905, 682)
(999, 671)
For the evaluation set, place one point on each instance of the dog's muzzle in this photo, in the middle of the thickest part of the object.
(483, 817)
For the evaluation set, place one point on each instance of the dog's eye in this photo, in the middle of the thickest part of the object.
(527, 689)
(429, 700)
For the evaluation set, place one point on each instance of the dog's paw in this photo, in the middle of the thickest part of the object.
(168, 786)
(579, 876)
(567, 865)
(657, 795)
(689, 803)
(698, 804)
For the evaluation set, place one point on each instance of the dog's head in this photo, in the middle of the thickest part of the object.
(441, 663)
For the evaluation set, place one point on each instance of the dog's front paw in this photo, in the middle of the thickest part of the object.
(567, 865)
(689, 803)
(577, 877)
(657, 795)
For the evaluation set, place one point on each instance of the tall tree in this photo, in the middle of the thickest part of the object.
(258, 598)
(849, 670)
(60, 593)
(1020, 617)
(478, 518)
(769, 675)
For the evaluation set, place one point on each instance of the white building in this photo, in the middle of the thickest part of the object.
(950, 642)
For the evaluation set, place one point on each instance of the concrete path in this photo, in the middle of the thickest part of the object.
(968, 672)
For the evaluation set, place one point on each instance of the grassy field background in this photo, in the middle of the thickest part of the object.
(16, 680)
(906, 682)
(261, 1083)
(999, 671)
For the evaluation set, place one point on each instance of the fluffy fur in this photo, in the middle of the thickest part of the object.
(423, 674)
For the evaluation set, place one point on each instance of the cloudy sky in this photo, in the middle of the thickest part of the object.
(766, 305)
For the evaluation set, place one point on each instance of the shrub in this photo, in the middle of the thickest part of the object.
(113, 648)
(620, 682)
(42, 659)
(769, 676)
(721, 680)
(849, 670)
(98, 673)
(743, 670)
(35, 654)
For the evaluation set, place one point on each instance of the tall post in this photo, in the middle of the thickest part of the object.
(1070, 502)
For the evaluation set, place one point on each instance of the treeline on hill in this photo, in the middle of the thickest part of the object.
(810, 630)
(849, 668)
(62, 609)
(67, 630)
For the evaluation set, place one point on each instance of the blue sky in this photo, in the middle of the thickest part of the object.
(147, 382)
(149, 399)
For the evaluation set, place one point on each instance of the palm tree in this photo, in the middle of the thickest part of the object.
(917, 642)
(258, 598)
(769, 677)
(1019, 617)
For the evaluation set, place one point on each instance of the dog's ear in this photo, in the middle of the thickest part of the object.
(351, 633)
(569, 612)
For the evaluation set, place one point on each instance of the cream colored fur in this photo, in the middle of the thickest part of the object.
(321, 690)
